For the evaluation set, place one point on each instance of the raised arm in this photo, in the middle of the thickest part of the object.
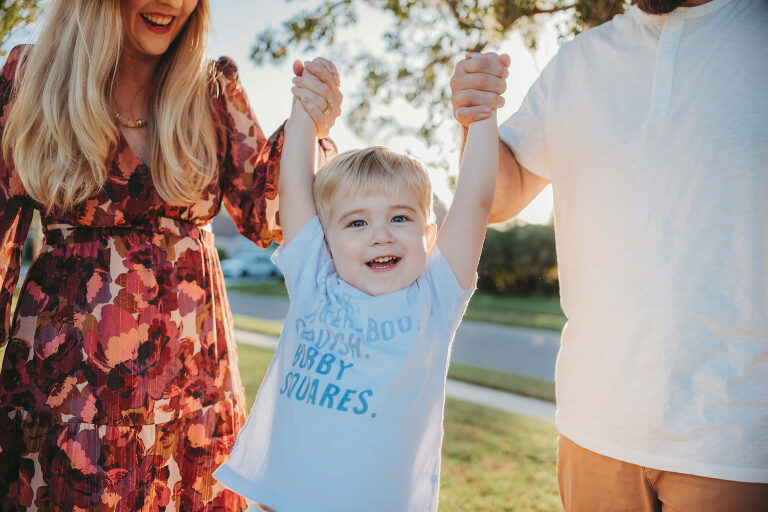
(316, 105)
(297, 206)
(477, 84)
(463, 231)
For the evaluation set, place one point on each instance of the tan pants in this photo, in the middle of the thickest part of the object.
(592, 482)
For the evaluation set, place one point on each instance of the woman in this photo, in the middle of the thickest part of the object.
(120, 388)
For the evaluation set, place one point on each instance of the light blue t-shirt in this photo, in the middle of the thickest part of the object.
(349, 416)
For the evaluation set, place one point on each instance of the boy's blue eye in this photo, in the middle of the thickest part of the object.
(356, 224)
(399, 218)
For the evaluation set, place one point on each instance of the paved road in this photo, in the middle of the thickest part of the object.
(511, 349)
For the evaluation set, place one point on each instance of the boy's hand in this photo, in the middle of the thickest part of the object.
(477, 85)
(316, 85)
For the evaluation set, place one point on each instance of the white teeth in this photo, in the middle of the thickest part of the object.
(158, 20)
(384, 260)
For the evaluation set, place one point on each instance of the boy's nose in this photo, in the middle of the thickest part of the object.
(381, 235)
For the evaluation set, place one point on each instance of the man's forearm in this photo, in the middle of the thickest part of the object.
(515, 186)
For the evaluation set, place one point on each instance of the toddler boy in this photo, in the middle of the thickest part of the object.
(349, 416)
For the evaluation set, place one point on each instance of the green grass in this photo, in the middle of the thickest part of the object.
(253, 363)
(260, 325)
(497, 462)
(492, 461)
(533, 312)
(275, 288)
(513, 383)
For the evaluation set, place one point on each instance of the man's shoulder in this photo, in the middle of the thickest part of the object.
(596, 52)
(613, 31)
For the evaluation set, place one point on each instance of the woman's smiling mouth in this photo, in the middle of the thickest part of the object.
(158, 23)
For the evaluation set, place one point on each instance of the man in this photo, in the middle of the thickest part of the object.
(653, 130)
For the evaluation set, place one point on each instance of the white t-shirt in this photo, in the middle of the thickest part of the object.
(654, 133)
(349, 416)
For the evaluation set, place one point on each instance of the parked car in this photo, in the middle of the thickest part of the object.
(251, 264)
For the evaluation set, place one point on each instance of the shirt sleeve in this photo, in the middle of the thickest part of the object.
(449, 299)
(15, 207)
(251, 163)
(525, 131)
(305, 262)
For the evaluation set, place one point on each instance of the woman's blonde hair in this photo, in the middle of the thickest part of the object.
(372, 170)
(62, 128)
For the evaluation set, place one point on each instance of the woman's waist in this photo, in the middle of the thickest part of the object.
(62, 233)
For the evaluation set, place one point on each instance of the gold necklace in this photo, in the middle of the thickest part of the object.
(130, 123)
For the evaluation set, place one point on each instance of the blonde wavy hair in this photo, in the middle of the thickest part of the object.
(62, 128)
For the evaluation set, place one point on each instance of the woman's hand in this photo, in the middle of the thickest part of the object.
(316, 85)
(477, 85)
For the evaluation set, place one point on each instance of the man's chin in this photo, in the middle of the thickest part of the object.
(658, 6)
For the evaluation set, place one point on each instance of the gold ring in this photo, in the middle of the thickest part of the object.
(328, 105)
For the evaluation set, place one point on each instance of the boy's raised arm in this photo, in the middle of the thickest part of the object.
(463, 232)
(297, 170)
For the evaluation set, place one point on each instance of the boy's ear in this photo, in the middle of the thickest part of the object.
(431, 235)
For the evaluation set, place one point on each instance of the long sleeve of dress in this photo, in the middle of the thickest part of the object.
(251, 164)
(15, 208)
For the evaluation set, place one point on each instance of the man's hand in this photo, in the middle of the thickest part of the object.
(477, 85)
(316, 84)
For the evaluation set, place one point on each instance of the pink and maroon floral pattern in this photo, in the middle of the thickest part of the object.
(120, 389)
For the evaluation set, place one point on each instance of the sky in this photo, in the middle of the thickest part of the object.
(236, 22)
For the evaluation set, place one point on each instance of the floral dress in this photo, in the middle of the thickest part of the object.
(120, 388)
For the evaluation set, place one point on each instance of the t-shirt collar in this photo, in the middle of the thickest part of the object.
(686, 13)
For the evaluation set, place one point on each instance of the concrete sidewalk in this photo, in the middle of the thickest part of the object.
(501, 400)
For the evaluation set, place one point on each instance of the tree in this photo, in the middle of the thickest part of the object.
(15, 14)
(519, 260)
(423, 41)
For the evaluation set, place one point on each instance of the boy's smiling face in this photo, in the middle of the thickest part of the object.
(379, 242)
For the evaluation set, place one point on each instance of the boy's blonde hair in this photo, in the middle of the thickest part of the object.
(372, 170)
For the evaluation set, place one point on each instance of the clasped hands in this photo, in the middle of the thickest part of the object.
(316, 85)
(477, 85)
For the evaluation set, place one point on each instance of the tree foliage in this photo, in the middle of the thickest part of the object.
(519, 261)
(15, 14)
(422, 41)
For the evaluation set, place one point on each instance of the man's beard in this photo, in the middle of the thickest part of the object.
(658, 6)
